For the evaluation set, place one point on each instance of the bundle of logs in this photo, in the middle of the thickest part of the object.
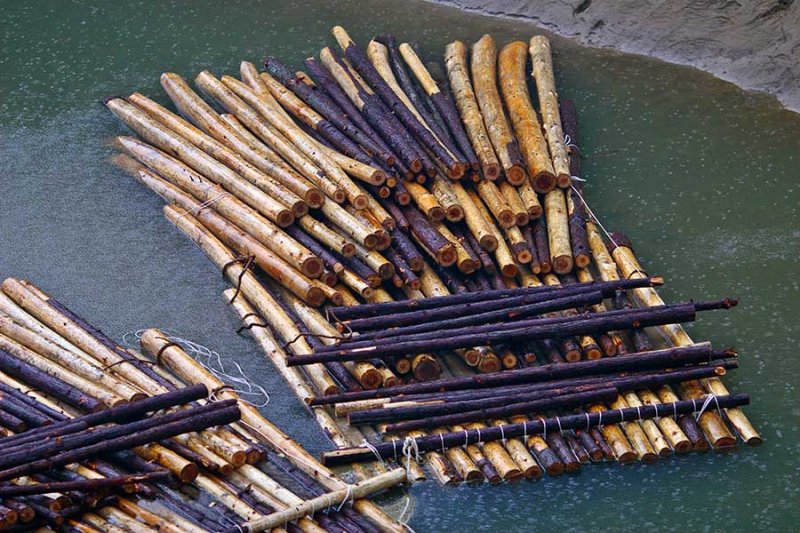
(393, 227)
(98, 437)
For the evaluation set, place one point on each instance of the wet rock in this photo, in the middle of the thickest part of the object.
(753, 43)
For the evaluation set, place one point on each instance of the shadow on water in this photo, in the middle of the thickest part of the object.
(702, 176)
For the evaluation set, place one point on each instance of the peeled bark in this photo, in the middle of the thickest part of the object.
(455, 59)
(484, 76)
(542, 60)
(513, 83)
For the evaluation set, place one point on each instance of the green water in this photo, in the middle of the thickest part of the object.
(702, 176)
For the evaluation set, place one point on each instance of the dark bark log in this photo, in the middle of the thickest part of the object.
(577, 448)
(23, 398)
(10, 421)
(558, 443)
(222, 416)
(31, 417)
(363, 66)
(588, 443)
(659, 359)
(536, 305)
(408, 250)
(118, 415)
(415, 95)
(329, 109)
(53, 386)
(448, 111)
(549, 460)
(402, 268)
(533, 427)
(577, 218)
(408, 306)
(443, 250)
(85, 485)
(542, 244)
(527, 234)
(50, 446)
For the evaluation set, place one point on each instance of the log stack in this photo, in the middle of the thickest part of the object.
(151, 445)
(390, 227)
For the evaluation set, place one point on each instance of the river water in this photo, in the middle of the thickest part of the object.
(701, 175)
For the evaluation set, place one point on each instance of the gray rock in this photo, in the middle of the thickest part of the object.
(753, 43)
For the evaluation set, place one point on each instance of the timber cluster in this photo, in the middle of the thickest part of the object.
(410, 245)
(99, 437)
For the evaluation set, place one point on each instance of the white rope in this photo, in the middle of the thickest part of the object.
(710, 398)
(348, 496)
(441, 438)
(373, 449)
(410, 447)
(588, 421)
(202, 206)
(502, 435)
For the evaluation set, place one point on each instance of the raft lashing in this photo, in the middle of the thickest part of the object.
(99, 437)
(411, 247)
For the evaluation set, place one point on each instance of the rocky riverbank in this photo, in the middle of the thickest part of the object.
(754, 43)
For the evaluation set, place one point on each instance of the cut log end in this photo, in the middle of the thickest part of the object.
(543, 182)
(315, 296)
(339, 196)
(454, 213)
(285, 218)
(312, 267)
(491, 171)
(627, 458)
(563, 181)
(488, 243)
(386, 271)
(582, 260)
(515, 175)
(371, 379)
(562, 264)
(402, 365)
(522, 219)
(535, 211)
(510, 270)
(299, 208)
(436, 214)
(360, 201)
(415, 166)
(446, 256)
(371, 241)
(489, 364)
(506, 218)
(593, 353)
(457, 171)
(189, 473)
(572, 355)
(348, 249)
(314, 198)
(427, 370)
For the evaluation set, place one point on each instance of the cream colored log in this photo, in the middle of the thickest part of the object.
(496, 202)
(183, 469)
(327, 236)
(497, 456)
(249, 147)
(55, 369)
(349, 225)
(179, 525)
(464, 460)
(446, 196)
(475, 221)
(455, 58)
(272, 113)
(225, 155)
(261, 128)
(209, 195)
(250, 287)
(331, 189)
(542, 60)
(528, 466)
(81, 364)
(425, 201)
(502, 253)
(358, 490)
(14, 312)
(616, 439)
(75, 334)
(635, 434)
(531, 200)
(484, 78)
(555, 210)
(464, 262)
(515, 202)
(115, 516)
(514, 86)
(165, 139)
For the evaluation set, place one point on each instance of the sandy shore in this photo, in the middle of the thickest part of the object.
(753, 43)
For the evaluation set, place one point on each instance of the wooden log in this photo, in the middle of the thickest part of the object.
(368, 105)
(378, 55)
(425, 202)
(475, 221)
(667, 358)
(502, 253)
(280, 253)
(455, 59)
(153, 132)
(513, 84)
(630, 267)
(289, 189)
(582, 421)
(541, 241)
(466, 261)
(122, 414)
(515, 202)
(358, 490)
(223, 415)
(447, 110)
(363, 66)
(341, 118)
(440, 248)
(495, 202)
(446, 196)
(493, 298)
(555, 208)
(575, 202)
(9, 491)
(245, 281)
(484, 76)
(542, 60)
